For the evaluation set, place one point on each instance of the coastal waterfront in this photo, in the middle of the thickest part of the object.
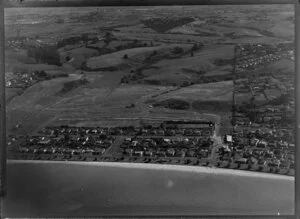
(165, 110)
(41, 188)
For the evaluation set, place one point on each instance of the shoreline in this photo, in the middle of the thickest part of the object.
(167, 167)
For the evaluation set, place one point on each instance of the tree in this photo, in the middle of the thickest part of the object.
(125, 56)
(192, 54)
(195, 47)
(108, 38)
(227, 165)
(177, 50)
(135, 41)
(249, 166)
(67, 58)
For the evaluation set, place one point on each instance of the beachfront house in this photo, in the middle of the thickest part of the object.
(241, 161)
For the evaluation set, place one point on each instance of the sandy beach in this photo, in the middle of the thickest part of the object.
(45, 188)
(195, 169)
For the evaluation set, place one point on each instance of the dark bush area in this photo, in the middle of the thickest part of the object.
(222, 62)
(70, 85)
(133, 44)
(162, 25)
(153, 82)
(42, 75)
(173, 104)
(212, 105)
(46, 54)
(177, 50)
(215, 78)
(59, 75)
(75, 39)
(281, 100)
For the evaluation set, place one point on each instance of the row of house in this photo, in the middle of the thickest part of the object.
(132, 131)
(166, 147)
(65, 144)
(19, 80)
(251, 56)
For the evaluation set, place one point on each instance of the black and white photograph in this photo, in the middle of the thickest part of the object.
(149, 110)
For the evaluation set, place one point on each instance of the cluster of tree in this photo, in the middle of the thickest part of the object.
(152, 56)
(40, 74)
(45, 54)
(186, 83)
(59, 21)
(286, 46)
(197, 46)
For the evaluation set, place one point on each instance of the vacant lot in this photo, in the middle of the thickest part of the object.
(77, 56)
(15, 65)
(219, 91)
(117, 58)
(130, 57)
(28, 110)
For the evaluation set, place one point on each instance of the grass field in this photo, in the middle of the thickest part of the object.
(188, 68)
(77, 56)
(134, 56)
(219, 91)
(117, 58)
(10, 93)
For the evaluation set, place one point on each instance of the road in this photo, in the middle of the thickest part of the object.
(216, 146)
(115, 147)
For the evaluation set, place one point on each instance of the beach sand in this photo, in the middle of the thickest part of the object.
(45, 188)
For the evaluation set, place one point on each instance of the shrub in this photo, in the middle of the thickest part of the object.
(177, 50)
(67, 58)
